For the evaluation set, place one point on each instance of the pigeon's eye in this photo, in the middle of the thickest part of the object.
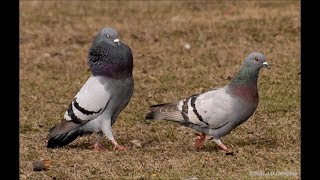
(256, 59)
(108, 36)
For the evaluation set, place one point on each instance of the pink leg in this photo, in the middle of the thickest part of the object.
(218, 141)
(118, 146)
(98, 146)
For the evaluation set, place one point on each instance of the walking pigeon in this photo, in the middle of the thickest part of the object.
(105, 94)
(219, 111)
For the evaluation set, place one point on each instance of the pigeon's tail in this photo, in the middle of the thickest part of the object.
(64, 133)
(167, 111)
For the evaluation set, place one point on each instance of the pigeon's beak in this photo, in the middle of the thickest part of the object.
(265, 65)
(116, 40)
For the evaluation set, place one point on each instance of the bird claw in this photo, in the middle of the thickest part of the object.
(223, 147)
(98, 146)
(226, 150)
(119, 147)
(198, 145)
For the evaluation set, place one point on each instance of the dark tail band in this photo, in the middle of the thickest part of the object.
(64, 133)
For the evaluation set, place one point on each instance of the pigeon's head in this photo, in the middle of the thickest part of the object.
(109, 35)
(256, 61)
(248, 74)
(108, 57)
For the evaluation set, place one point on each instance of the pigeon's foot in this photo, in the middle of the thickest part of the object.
(118, 146)
(121, 148)
(198, 145)
(98, 146)
(218, 141)
(226, 150)
(223, 147)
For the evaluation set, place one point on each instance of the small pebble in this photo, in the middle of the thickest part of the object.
(136, 143)
(41, 165)
(187, 46)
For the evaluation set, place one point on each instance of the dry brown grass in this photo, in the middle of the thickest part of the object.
(54, 41)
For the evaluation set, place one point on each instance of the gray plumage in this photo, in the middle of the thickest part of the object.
(105, 94)
(218, 111)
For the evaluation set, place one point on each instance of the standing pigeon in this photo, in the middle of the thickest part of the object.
(106, 93)
(219, 111)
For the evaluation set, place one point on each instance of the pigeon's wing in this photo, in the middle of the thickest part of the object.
(87, 105)
(89, 102)
(215, 108)
(205, 110)
(218, 108)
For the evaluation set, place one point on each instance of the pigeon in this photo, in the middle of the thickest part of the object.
(108, 90)
(218, 111)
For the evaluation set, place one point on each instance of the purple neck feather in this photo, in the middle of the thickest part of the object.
(115, 71)
(244, 85)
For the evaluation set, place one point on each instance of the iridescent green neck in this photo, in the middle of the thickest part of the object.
(246, 77)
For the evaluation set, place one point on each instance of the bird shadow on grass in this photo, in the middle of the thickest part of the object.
(81, 145)
(258, 142)
(88, 145)
(210, 146)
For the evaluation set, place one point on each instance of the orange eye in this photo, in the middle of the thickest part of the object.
(256, 59)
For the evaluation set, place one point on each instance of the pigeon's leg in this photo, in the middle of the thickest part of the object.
(218, 141)
(199, 141)
(107, 130)
(98, 146)
(118, 146)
